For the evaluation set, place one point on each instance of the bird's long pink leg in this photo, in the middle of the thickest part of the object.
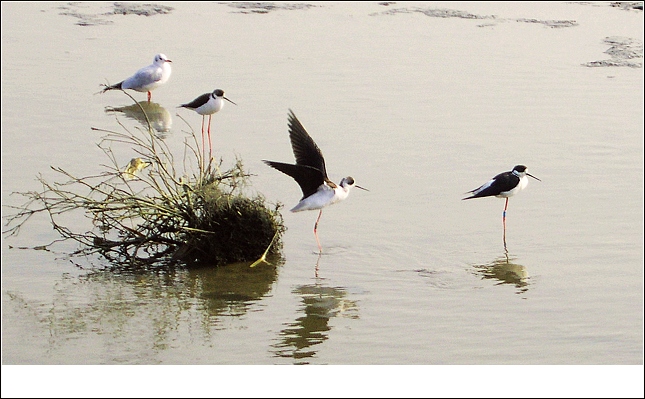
(149, 96)
(504, 221)
(316, 232)
(210, 143)
(203, 142)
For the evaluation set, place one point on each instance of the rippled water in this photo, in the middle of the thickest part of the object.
(419, 102)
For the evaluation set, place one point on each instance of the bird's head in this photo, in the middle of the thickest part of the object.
(349, 182)
(520, 171)
(160, 59)
(220, 93)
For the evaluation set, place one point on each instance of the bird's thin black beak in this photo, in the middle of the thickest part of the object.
(229, 100)
(528, 174)
(362, 188)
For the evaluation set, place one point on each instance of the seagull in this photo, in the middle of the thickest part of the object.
(311, 175)
(208, 104)
(147, 78)
(504, 185)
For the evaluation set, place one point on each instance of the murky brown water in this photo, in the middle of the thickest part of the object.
(419, 102)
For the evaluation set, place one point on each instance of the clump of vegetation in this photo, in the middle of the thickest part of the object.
(149, 213)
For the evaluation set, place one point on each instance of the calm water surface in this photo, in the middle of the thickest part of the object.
(419, 102)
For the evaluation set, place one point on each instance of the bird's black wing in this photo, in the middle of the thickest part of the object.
(307, 177)
(305, 149)
(503, 182)
(198, 102)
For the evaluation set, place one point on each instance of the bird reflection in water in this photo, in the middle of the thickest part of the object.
(142, 112)
(320, 304)
(145, 308)
(232, 289)
(505, 271)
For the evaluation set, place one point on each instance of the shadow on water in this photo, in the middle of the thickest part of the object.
(160, 118)
(320, 303)
(504, 271)
(142, 313)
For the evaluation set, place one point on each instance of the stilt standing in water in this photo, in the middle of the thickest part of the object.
(311, 175)
(208, 104)
(504, 185)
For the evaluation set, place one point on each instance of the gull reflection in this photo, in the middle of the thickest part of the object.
(160, 119)
(505, 271)
(319, 305)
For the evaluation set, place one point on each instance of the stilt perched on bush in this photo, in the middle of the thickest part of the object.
(147, 213)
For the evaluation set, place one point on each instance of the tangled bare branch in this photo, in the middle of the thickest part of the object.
(149, 212)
